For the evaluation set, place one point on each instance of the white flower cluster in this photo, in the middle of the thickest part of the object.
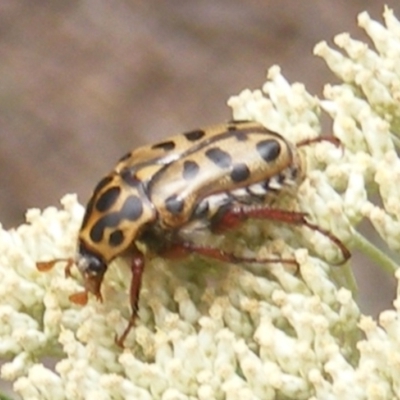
(218, 331)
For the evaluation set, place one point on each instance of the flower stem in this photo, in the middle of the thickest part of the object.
(4, 397)
(375, 254)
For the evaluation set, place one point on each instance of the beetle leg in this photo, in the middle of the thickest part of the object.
(237, 214)
(137, 267)
(240, 213)
(323, 138)
(68, 267)
(184, 248)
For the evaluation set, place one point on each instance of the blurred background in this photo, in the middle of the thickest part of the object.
(84, 81)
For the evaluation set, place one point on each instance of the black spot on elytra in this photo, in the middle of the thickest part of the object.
(219, 157)
(190, 170)
(108, 221)
(166, 146)
(240, 136)
(116, 238)
(240, 172)
(107, 199)
(269, 149)
(91, 203)
(194, 135)
(174, 204)
(104, 182)
(129, 178)
(132, 208)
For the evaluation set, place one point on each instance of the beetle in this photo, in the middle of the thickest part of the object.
(212, 178)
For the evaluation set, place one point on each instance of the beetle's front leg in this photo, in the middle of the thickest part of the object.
(137, 267)
(237, 214)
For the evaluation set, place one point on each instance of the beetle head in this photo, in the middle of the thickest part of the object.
(92, 268)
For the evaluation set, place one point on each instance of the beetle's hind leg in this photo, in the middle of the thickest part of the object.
(237, 214)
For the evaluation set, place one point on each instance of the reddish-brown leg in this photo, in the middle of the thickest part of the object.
(68, 267)
(137, 267)
(177, 250)
(238, 214)
(184, 248)
(323, 138)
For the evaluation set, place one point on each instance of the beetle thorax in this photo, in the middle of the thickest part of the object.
(116, 214)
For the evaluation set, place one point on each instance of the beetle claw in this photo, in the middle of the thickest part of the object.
(45, 266)
(80, 298)
(119, 341)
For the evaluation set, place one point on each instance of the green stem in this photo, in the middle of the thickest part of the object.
(380, 258)
(349, 278)
(396, 141)
(4, 397)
